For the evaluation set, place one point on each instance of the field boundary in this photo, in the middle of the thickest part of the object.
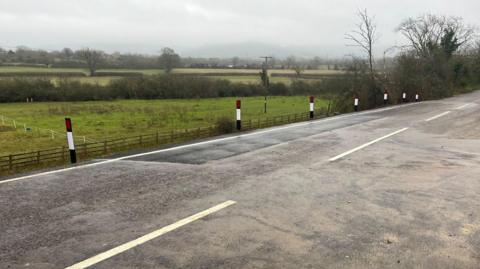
(21, 162)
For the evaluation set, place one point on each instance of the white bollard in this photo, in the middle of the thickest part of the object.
(312, 106)
(71, 144)
(355, 104)
(239, 115)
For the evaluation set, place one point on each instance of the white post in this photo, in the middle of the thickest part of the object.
(239, 115)
(355, 104)
(312, 106)
(71, 143)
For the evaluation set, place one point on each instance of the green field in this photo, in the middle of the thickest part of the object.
(16, 69)
(244, 75)
(105, 119)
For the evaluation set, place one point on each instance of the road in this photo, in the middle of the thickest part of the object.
(396, 187)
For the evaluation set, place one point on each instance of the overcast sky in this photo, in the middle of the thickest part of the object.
(146, 25)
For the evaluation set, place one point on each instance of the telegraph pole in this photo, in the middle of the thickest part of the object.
(265, 79)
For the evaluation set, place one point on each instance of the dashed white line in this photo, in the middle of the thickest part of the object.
(438, 116)
(141, 240)
(366, 145)
(202, 143)
(462, 107)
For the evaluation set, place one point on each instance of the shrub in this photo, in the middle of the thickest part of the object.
(225, 125)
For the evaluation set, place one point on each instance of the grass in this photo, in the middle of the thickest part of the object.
(253, 79)
(16, 69)
(253, 76)
(103, 119)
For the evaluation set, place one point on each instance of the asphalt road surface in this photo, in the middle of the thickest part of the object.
(397, 187)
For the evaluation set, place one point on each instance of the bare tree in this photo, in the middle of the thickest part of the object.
(425, 33)
(364, 37)
(290, 61)
(92, 58)
(67, 52)
(169, 60)
(298, 68)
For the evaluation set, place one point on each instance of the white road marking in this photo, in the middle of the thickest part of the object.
(141, 240)
(438, 116)
(366, 145)
(465, 152)
(204, 143)
(464, 106)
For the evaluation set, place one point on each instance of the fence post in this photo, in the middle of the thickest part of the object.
(140, 140)
(10, 162)
(3, 120)
(14, 124)
(38, 157)
(105, 147)
(156, 138)
(63, 153)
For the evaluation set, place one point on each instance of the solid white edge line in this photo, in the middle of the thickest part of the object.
(366, 145)
(205, 142)
(141, 240)
(438, 116)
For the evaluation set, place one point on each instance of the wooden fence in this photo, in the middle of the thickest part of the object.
(57, 156)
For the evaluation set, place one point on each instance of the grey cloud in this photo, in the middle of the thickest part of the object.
(146, 25)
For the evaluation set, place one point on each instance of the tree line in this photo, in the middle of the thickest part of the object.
(167, 59)
(440, 59)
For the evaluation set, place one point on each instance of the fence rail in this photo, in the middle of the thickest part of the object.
(85, 151)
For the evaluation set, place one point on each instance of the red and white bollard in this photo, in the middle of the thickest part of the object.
(239, 115)
(355, 104)
(404, 97)
(312, 106)
(71, 143)
(385, 97)
(417, 97)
